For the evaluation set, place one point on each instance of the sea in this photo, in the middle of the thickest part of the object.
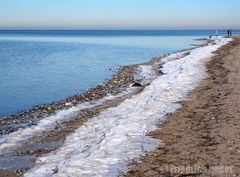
(43, 66)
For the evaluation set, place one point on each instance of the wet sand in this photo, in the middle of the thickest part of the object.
(202, 138)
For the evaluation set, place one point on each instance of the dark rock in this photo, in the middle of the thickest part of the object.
(160, 72)
(136, 84)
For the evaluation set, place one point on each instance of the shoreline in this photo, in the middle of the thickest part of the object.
(123, 78)
(117, 83)
(37, 152)
(202, 138)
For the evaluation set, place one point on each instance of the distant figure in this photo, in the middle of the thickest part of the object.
(228, 32)
(216, 33)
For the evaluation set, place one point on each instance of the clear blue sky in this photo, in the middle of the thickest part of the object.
(119, 14)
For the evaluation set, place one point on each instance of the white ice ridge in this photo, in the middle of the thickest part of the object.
(15, 139)
(105, 144)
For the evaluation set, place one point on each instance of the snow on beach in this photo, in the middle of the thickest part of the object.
(10, 142)
(105, 144)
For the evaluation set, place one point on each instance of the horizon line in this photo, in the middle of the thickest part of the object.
(110, 29)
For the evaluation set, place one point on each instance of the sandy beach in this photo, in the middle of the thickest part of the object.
(197, 135)
(119, 88)
(202, 138)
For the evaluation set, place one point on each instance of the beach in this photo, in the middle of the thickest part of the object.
(202, 138)
(106, 130)
(119, 88)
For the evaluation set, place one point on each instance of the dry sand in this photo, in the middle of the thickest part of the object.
(202, 138)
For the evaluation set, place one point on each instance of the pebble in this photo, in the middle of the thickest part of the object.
(136, 84)
(68, 104)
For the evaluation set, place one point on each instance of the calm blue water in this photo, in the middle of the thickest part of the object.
(38, 67)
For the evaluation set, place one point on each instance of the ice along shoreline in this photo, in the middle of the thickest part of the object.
(105, 144)
(151, 94)
(31, 144)
(49, 132)
(123, 77)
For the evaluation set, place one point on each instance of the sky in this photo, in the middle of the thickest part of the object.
(119, 14)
